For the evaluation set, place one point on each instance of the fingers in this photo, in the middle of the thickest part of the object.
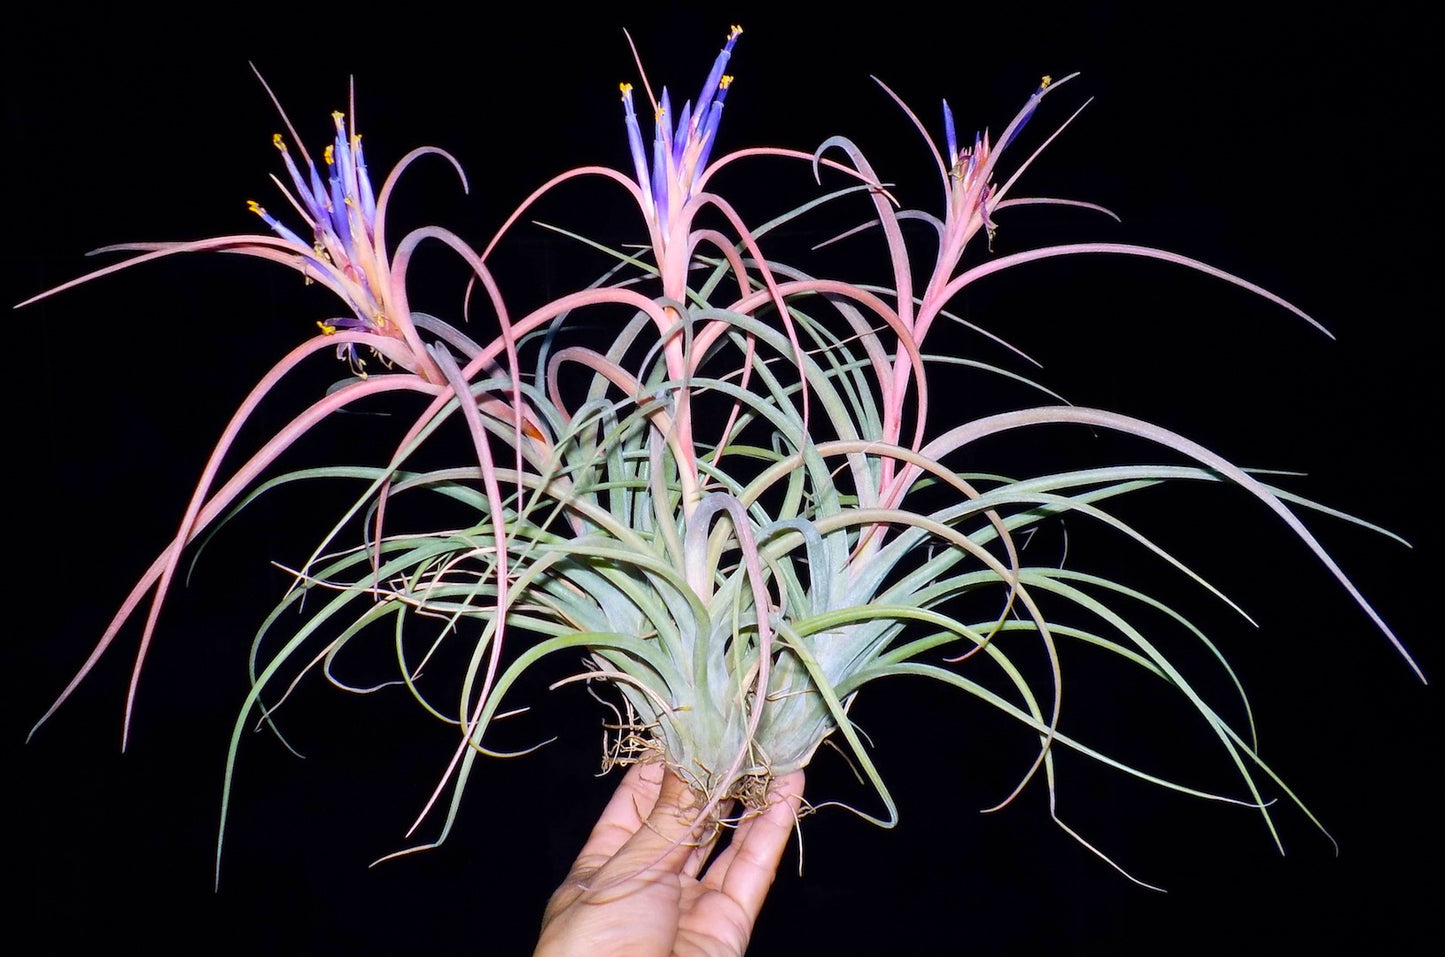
(650, 822)
(745, 870)
(630, 805)
(703, 846)
(672, 829)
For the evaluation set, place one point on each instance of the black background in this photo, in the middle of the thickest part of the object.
(1289, 150)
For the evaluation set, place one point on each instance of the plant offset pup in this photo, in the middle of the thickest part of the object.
(732, 508)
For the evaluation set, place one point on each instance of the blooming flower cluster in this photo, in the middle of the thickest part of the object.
(344, 251)
(970, 169)
(679, 152)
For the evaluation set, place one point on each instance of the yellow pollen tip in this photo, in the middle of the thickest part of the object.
(626, 88)
(278, 142)
(1044, 83)
(338, 116)
(725, 82)
(328, 154)
(326, 328)
(736, 29)
(255, 207)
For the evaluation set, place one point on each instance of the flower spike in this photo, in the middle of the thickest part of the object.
(681, 147)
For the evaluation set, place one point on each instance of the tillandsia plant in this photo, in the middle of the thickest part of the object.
(736, 510)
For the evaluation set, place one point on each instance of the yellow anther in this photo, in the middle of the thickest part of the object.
(355, 141)
(255, 207)
(279, 143)
(725, 82)
(328, 154)
(339, 117)
(736, 29)
(1044, 83)
(626, 88)
(327, 329)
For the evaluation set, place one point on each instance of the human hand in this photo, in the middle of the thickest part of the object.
(635, 889)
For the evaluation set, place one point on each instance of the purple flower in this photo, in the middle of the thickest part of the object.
(340, 215)
(680, 146)
(970, 170)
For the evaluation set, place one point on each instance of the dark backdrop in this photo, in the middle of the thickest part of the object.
(1291, 151)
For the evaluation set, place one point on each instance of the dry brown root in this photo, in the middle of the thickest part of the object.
(751, 791)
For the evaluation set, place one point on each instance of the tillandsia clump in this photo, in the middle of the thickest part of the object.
(736, 511)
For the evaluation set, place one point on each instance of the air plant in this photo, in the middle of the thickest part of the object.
(733, 511)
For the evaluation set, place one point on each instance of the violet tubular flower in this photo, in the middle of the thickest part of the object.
(344, 251)
(679, 152)
(970, 172)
